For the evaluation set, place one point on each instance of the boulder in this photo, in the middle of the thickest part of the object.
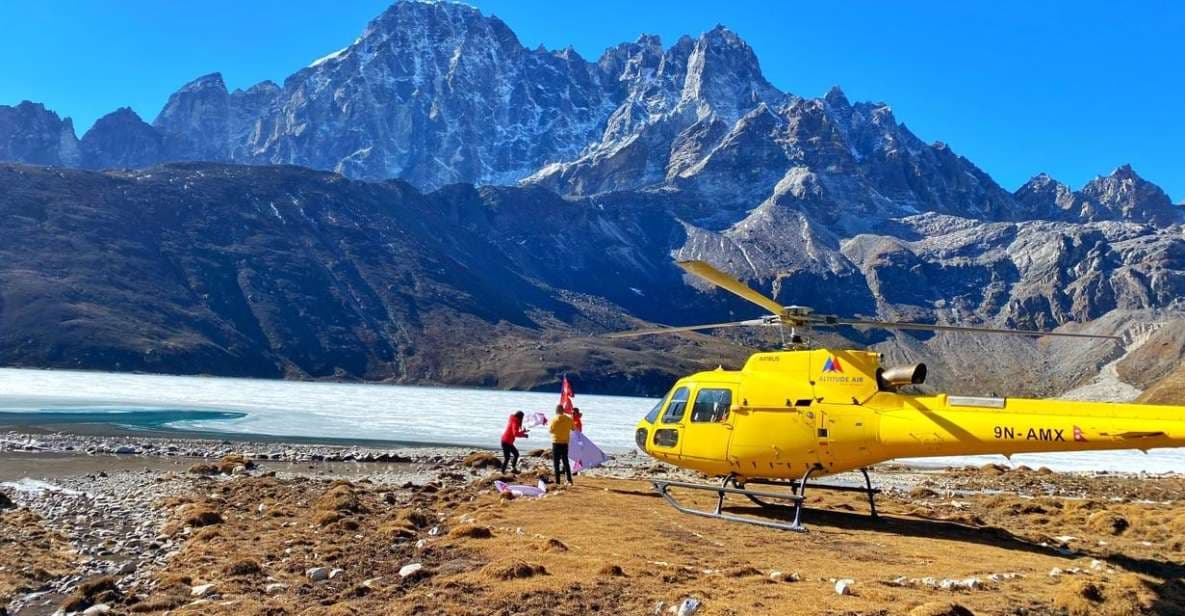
(688, 606)
(202, 590)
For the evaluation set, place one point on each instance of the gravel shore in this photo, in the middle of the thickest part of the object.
(105, 523)
(103, 493)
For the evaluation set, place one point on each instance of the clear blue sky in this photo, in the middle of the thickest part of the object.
(1071, 88)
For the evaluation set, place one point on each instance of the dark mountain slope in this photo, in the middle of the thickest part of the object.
(284, 271)
(269, 272)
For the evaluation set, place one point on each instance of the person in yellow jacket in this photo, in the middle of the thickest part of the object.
(561, 432)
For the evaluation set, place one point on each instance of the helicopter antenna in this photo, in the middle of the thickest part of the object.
(802, 317)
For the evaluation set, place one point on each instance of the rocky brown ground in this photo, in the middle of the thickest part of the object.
(32, 554)
(1169, 390)
(981, 541)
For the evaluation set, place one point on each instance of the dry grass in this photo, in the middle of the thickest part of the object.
(204, 468)
(1128, 595)
(159, 603)
(90, 592)
(471, 531)
(417, 518)
(513, 570)
(1078, 597)
(245, 566)
(612, 547)
(225, 466)
(611, 571)
(940, 608)
(481, 459)
(202, 515)
(741, 571)
(340, 497)
(1169, 390)
(30, 555)
(230, 461)
(554, 545)
(1107, 522)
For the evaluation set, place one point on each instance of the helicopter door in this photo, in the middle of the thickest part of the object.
(709, 427)
(843, 437)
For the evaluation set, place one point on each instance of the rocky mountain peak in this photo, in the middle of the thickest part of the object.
(263, 88)
(1125, 172)
(1124, 195)
(423, 10)
(626, 61)
(1041, 180)
(1043, 197)
(649, 40)
(836, 98)
(210, 82)
(193, 122)
(438, 92)
(31, 133)
(120, 139)
(123, 114)
(437, 23)
(724, 76)
(721, 35)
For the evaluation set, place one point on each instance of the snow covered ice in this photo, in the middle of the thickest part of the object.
(427, 415)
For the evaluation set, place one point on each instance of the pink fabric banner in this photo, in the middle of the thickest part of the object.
(584, 454)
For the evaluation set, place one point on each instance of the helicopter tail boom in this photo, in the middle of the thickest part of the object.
(951, 425)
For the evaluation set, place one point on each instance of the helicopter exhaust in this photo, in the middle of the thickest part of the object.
(899, 376)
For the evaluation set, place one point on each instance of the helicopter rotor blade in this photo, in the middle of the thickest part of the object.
(707, 272)
(692, 328)
(904, 325)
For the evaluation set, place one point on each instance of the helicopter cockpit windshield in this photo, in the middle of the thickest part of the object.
(652, 416)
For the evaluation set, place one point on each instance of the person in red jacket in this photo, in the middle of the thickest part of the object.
(577, 424)
(514, 428)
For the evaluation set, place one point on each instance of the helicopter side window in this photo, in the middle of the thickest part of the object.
(676, 407)
(711, 405)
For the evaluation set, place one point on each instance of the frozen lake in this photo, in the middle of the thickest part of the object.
(436, 415)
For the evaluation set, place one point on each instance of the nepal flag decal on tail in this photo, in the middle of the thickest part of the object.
(832, 365)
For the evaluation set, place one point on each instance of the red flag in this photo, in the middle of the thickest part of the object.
(566, 396)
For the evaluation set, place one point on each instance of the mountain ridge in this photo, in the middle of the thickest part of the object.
(401, 102)
(282, 271)
(560, 189)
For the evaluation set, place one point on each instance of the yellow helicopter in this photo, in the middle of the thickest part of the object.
(790, 416)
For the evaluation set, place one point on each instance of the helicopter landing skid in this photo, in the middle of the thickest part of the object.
(663, 487)
(796, 498)
(794, 486)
